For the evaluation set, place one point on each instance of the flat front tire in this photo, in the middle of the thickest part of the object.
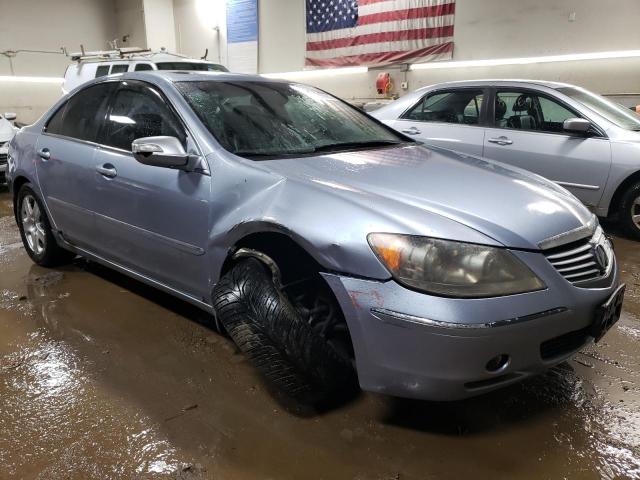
(36, 232)
(274, 336)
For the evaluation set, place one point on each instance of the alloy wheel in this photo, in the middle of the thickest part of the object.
(34, 232)
(635, 212)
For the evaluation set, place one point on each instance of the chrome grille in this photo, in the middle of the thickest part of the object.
(582, 260)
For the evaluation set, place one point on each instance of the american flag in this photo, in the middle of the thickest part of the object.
(343, 33)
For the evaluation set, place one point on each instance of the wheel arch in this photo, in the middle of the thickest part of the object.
(614, 205)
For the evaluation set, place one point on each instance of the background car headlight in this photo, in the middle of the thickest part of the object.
(453, 269)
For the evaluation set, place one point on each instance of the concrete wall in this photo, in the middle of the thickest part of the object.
(46, 25)
(129, 23)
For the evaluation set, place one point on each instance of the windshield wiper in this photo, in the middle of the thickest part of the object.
(352, 145)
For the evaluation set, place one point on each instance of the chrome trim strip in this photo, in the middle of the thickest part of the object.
(577, 185)
(377, 312)
(579, 233)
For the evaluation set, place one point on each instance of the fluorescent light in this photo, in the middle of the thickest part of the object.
(325, 72)
(12, 78)
(527, 60)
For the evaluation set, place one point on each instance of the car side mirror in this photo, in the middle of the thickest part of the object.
(576, 125)
(10, 116)
(163, 151)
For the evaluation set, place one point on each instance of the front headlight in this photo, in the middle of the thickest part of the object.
(453, 269)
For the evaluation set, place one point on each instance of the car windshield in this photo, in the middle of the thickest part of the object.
(615, 113)
(194, 66)
(262, 120)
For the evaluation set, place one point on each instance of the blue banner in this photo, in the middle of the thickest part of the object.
(242, 21)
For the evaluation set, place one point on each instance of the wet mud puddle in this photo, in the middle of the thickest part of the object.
(101, 378)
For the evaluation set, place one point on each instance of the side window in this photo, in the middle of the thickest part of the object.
(140, 111)
(528, 110)
(102, 70)
(83, 115)
(458, 106)
(119, 68)
(141, 67)
(54, 125)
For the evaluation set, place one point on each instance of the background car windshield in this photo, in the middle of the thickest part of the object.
(274, 119)
(198, 67)
(616, 114)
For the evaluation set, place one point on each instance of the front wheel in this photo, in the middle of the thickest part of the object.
(630, 211)
(36, 232)
(275, 336)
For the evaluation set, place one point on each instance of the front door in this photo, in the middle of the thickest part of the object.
(528, 133)
(153, 220)
(447, 118)
(64, 164)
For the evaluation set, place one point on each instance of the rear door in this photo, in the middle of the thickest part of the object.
(527, 132)
(65, 167)
(449, 118)
(153, 220)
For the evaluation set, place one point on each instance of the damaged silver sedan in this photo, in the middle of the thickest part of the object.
(328, 246)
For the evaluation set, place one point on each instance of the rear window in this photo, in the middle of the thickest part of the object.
(199, 67)
(119, 68)
(102, 70)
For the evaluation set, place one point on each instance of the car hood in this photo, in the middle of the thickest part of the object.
(515, 208)
(6, 130)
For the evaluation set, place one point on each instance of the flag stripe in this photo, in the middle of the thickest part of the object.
(442, 50)
(394, 15)
(365, 48)
(411, 24)
(392, 36)
(390, 5)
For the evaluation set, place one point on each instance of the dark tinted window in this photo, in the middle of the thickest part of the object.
(141, 67)
(458, 106)
(262, 119)
(140, 111)
(119, 68)
(102, 70)
(200, 67)
(55, 123)
(83, 114)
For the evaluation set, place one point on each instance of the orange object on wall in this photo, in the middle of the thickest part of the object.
(383, 83)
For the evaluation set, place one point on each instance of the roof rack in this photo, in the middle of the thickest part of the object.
(116, 53)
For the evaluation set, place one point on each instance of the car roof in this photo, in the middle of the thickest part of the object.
(499, 82)
(174, 76)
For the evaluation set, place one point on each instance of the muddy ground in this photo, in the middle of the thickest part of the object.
(101, 377)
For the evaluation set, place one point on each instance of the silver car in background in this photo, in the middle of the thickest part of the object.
(325, 243)
(580, 140)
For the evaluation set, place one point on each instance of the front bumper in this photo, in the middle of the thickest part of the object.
(3, 166)
(411, 344)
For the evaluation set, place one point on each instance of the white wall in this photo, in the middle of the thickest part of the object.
(195, 22)
(159, 24)
(281, 45)
(487, 29)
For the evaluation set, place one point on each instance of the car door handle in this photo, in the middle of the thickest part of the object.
(500, 140)
(107, 170)
(411, 131)
(44, 153)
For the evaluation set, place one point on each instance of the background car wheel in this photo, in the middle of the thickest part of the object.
(277, 337)
(630, 211)
(36, 233)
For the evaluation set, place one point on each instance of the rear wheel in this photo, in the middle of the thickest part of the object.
(630, 211)
(36, 232)
(279, 337)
